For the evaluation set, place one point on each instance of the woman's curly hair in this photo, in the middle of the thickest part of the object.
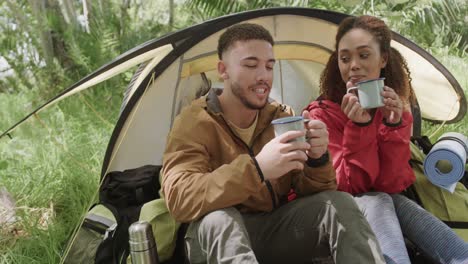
(396, 71)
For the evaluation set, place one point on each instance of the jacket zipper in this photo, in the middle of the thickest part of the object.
(251, 154)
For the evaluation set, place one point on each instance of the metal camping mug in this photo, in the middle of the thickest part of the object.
(369, 93)
(143, 248)
(285, 124)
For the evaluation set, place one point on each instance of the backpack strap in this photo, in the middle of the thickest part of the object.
(423, 143)
(457, 224)
(417, 119)
(121, 246)
(461, 142)
(114, 247)
(464, 179)
(98, 223)
(105, 250)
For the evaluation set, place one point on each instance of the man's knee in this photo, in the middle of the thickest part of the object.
(336, 198)
(216, 232)
(220, 220)
(327, 202)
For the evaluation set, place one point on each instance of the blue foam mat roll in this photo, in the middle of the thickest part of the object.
(444, 165)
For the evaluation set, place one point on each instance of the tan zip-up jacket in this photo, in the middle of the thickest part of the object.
(206, 166)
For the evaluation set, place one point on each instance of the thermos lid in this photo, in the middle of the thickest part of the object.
(141, 236)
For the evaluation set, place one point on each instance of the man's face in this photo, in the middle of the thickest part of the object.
(247, 69)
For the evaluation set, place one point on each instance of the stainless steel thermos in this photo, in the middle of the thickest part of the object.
(143, 248)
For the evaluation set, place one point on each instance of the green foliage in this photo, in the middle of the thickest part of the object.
(214, 8)
(206, 9)
(52, 164)
(437, 23)
(60, 52)
(52, 167)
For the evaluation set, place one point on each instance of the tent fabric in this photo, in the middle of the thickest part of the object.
(181, 66)
(163, 51)
(430, 85)
(119, 65)
(301, 57)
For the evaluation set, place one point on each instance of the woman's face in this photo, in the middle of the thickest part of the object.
(359, 56)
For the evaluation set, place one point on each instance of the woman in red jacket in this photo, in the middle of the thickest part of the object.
(370, 147)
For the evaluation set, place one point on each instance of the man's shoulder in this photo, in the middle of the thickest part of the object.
(193, 117)
(193, 109)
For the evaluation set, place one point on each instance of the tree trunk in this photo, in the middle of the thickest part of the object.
(68, 12)
(171, 14)
(39, 11)
(86, 15)
(123, 17)
(21, 20)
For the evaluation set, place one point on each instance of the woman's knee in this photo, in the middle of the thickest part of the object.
(374, 200)
(407, 208)
(402, 201)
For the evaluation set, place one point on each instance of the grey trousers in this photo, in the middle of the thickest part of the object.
(432, 236)
(380, 213)
(307, 230)
(392, 216)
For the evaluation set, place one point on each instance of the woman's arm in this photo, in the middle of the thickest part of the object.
(394, 153)
(353, 149)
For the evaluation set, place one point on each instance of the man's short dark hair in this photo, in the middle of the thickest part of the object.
(242, 32)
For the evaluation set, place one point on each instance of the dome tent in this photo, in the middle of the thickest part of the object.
(178, 67)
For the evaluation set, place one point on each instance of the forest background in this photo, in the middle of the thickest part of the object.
(52, 163)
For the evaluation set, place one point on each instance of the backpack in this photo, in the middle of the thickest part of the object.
(451, 208)
(124, 197)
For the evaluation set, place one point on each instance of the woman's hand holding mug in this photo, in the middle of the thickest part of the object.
(352, 108)
(393, 109)
(316, 136)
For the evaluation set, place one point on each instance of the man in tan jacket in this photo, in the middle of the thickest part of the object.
(226, 174)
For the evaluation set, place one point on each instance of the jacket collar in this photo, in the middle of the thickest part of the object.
(265, 116)
(212, 100)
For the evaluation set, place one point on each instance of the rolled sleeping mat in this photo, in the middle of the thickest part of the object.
(444, 165)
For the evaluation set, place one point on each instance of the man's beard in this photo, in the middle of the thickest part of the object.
(239, 93)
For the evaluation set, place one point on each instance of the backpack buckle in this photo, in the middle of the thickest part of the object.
(110, 231)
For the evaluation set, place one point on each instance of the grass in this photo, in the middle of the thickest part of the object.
(51, 166)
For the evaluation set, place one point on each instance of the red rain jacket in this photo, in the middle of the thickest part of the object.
(367, 158)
